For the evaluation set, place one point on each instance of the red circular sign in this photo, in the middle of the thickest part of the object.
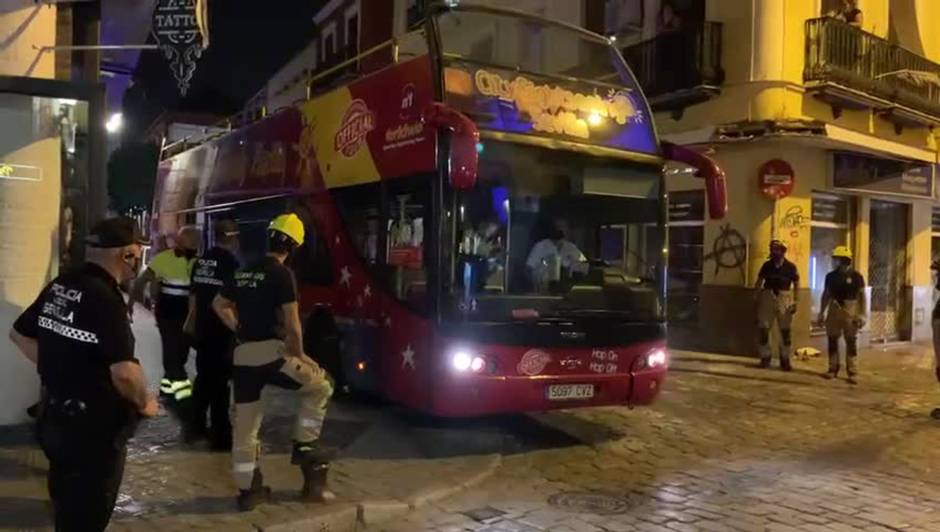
(775, 178)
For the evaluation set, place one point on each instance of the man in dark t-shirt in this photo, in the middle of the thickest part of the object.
(78, 334)
(261, 305)
(212, 339)
(842, 311)
(778, 284)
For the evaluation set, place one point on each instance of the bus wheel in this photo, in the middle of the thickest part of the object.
(322, 343)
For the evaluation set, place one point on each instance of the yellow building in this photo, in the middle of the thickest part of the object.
(851, 109)
(49, 150)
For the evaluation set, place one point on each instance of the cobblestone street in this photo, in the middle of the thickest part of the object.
(729, 447)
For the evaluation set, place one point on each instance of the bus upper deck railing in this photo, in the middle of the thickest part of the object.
(255, 111)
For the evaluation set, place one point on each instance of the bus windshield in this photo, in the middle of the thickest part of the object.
(555, 234)
(529, 44)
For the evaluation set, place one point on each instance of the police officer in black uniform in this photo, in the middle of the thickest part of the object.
(213, 340)
(94, 391)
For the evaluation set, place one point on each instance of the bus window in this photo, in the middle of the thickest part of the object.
(359, 208)
(406, 252)
(311, 261)
(253, 220)
(556, 235)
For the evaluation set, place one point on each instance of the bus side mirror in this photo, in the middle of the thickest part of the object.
(715, 187)
(463, 158)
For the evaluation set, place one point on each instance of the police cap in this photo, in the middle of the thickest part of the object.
(115, 232)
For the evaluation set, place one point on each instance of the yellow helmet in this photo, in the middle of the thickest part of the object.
(842, 251)
(289, 225)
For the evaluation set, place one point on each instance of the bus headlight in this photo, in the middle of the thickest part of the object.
(464, 361)
(656, 358)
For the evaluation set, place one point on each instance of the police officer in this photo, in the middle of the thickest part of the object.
(261, 305)
(842, 311)
(778, 289)
(171, 271)
(78, 334)
(213, 340)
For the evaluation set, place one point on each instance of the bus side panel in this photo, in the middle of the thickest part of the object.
(365, 312)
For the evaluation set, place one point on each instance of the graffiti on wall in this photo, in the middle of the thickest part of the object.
(729, 251)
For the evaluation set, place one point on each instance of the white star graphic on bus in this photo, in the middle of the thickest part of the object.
(408, 357)
(337, 240)
(367, 291)
(345, 276)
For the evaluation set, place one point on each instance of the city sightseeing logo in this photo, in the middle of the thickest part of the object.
(356, 124)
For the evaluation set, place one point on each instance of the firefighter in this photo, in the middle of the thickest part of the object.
(93, 390)
(169, 275)
(842, 311)
(212, 339)
(261, 306)
(778, 291)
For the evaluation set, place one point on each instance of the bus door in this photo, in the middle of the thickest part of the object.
(403, 319)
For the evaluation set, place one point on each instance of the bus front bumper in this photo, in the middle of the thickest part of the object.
(478, 395)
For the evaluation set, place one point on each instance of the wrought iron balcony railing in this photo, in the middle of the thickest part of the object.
(843, 55)
(679, 68)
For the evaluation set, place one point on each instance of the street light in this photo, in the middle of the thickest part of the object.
(115, 123)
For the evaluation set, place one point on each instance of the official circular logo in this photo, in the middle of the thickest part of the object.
(533, 362)
(357, 123)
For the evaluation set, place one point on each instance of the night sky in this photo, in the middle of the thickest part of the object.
(250, 40)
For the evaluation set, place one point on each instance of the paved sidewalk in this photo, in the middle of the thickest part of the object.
(391, 461)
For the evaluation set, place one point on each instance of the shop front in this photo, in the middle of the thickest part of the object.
(50, 146)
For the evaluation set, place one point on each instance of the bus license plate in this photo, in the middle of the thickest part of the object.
(564, 392)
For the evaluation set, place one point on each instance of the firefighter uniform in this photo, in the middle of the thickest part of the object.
(173, 269)
(843, 297)
(81, 328)
(214, 343)
(259, 291)
(775, 305)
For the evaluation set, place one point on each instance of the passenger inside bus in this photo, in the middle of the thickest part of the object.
(554, 258)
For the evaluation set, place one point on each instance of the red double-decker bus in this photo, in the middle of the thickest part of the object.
(485, 211)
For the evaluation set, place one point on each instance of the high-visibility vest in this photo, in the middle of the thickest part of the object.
(173, 272)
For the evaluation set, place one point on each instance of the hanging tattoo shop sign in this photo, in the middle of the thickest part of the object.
(177, 29)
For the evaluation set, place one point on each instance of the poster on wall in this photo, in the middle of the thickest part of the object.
(890, 176)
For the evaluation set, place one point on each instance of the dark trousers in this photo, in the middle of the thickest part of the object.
(86, 465)
(211, 394)
(175, 346)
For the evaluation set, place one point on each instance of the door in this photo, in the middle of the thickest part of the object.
(888, 270)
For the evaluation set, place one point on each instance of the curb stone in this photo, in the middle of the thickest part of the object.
(355, 517)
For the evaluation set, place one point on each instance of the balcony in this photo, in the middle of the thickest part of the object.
(679, 68)
(852, 69)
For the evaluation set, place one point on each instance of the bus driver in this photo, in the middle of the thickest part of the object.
(554, 256)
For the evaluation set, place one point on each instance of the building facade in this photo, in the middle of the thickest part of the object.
(49, 107)
(782, 90)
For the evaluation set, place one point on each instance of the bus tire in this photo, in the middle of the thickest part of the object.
(323, 343)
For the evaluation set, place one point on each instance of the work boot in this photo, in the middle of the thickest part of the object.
(852, 379)
(764, 363)
(314, 461)
(315, 483)
(785, 364)
(935, 413)
(249, 499)
(832, 373)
